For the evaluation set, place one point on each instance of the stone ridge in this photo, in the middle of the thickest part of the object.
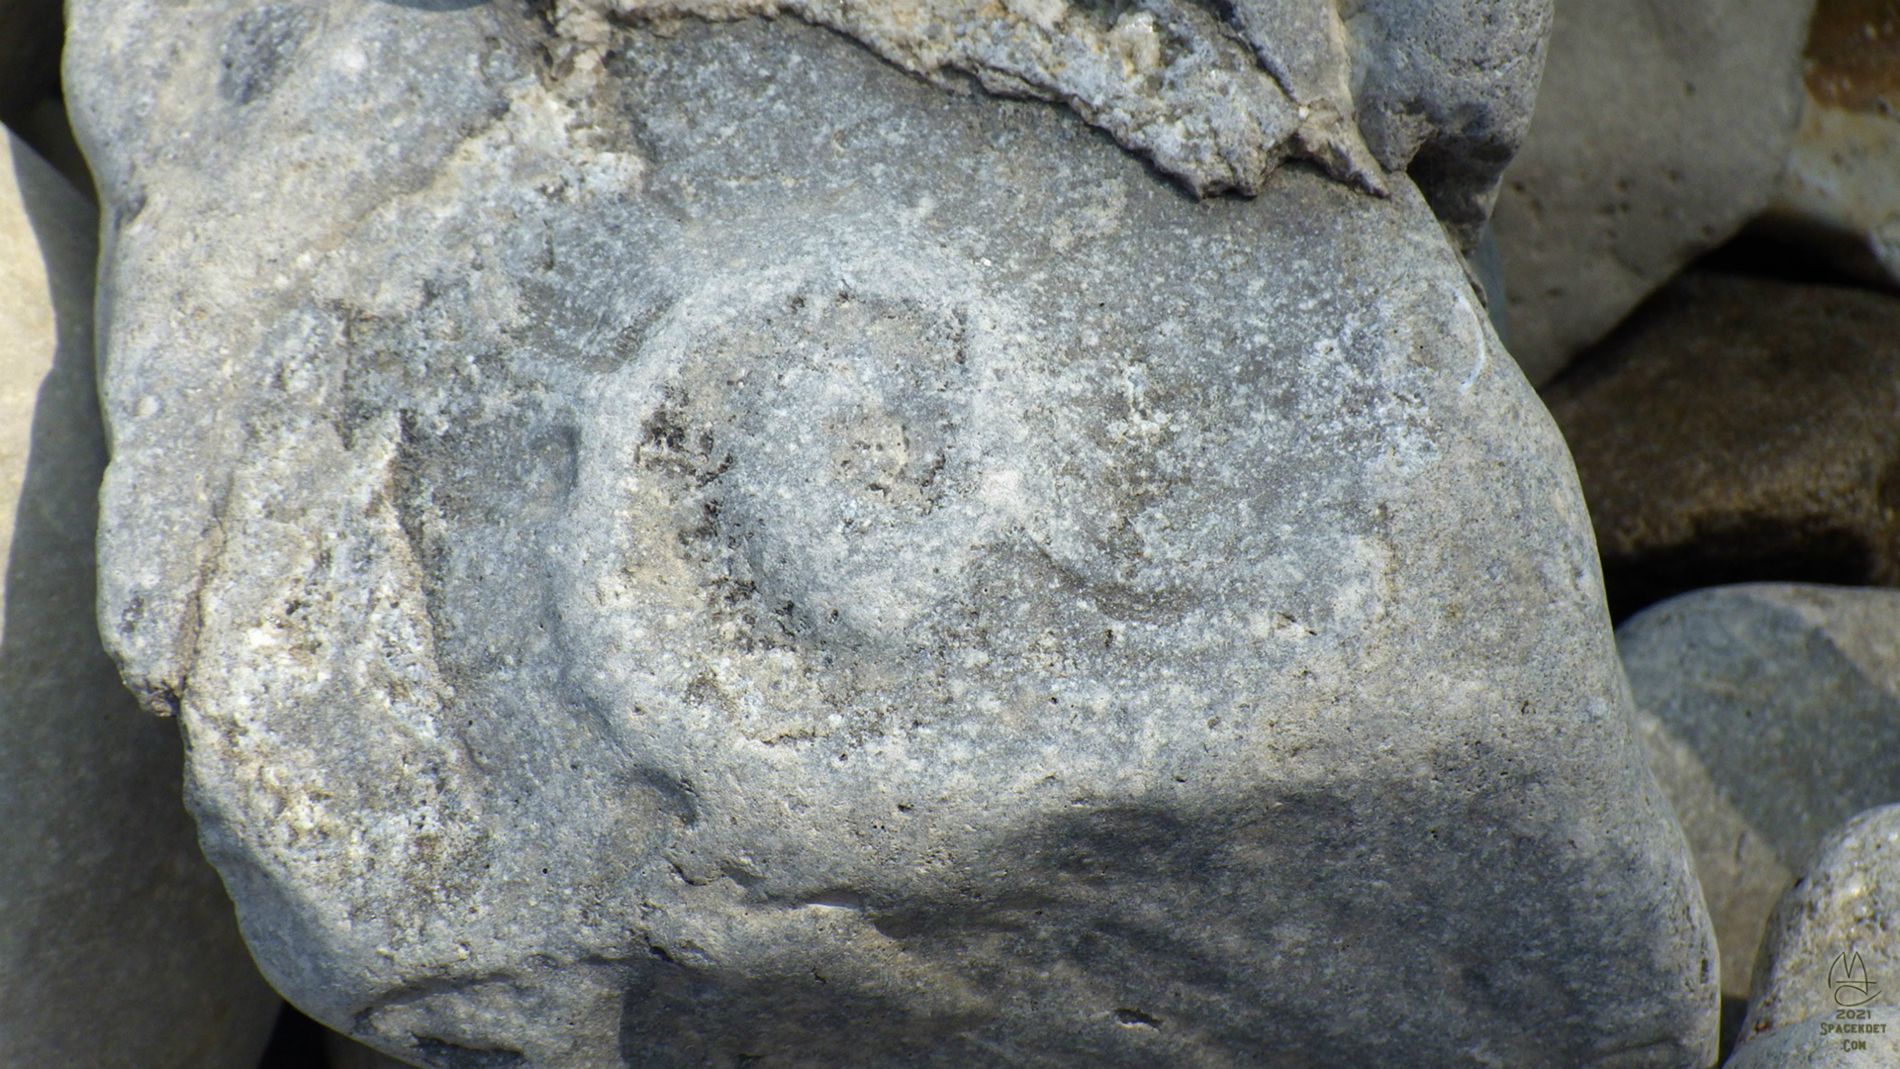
(1213, 103)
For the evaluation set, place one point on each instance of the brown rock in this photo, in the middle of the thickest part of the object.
(1741, 429)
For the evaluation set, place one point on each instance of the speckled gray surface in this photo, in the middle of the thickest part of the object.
(1829, 971)
(1772, 714)
(1217, 97)
(1445, 91)
(708, 550)
(1661, 129)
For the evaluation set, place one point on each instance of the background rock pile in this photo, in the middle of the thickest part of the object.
(950, 534)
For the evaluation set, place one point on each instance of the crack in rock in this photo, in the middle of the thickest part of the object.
(1206, 99)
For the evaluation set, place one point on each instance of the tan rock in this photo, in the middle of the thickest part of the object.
(1842, 186)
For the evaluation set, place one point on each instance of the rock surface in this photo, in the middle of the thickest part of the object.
(1815, 1044)
(1661, 128)
(713, 550)
(1445, 91)
(1771, 714)
(1842, 185)
(1218, 97)
(1830, 969)
(117, 944)
(1741, 429)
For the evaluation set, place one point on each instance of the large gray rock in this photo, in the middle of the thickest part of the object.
(117, 945)
(714, 550)
(1661, 129)
(1826, 980)
(1772, 714)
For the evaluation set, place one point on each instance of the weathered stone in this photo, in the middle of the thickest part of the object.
(1445, 91)
(1741, 429)
(1771, 714)
(1830, 969)
(117, 945)
(1217, 97)
(1816, 1043)
(1661, 129)
(1841, 189)
(716, 550)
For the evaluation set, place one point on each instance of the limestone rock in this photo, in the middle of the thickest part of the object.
(117, 945)
(1817, 1043)
(1446, 91)
(1842, 184)
(1218, 97)
(1742, 429)
(1661, 128)
(1826, 982)
(705, 548)
(1772, 714)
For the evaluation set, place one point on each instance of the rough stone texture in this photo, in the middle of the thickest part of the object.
(1218, 96)
(1772, 714)
(1842, 185)
(1445, 91)
(1830, 969)
(717, 551)
(117, 945)
(1815, 1044)
(1170, 78)
(1661, 129)
(1741, 429)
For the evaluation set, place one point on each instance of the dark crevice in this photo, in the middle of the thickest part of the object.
(1734, 1011)
(1761, 551)
(446, 1055)
(297, 1042)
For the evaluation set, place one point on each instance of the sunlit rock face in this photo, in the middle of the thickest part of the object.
(1661, 131)
(686, 544)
